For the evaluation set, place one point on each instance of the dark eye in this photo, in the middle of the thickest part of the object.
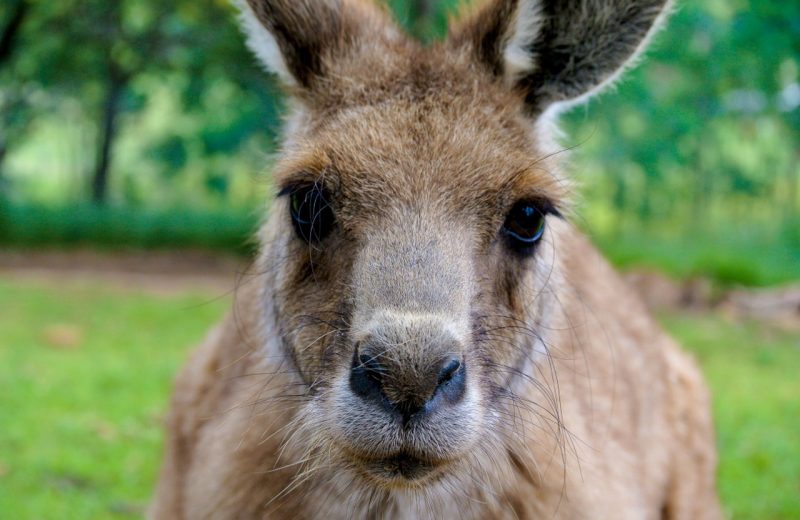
(524, 225)
(311, 212)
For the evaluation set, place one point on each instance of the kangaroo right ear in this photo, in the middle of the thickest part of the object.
(300, 40)
(558, 51)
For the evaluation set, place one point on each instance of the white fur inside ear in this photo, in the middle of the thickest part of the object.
(263, 43)
(517, 55)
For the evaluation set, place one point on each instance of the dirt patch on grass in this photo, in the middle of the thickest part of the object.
(158, 272)
(174, 272)
(777, 305)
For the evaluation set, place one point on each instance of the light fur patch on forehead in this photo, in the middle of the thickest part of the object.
(477, 165)
(304, 164)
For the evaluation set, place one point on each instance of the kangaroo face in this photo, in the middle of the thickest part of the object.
(412, 233)
(412, 250)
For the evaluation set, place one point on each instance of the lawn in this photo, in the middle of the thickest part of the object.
(85, 372)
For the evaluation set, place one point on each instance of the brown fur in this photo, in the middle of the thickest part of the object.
(577, 405)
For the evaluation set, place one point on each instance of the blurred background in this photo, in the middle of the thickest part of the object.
(135, 149)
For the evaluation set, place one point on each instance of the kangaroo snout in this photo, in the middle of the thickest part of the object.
(409, 369)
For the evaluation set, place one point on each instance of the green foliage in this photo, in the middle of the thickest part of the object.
(125, 227)
(747, 257)
(425, 19)
(191, 92)
(705, 134)
(87, 373)
(700, 143)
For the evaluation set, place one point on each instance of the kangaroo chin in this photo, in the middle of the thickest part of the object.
(424, 334)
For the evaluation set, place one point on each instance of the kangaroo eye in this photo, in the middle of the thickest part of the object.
(311, 213)
(524, 225)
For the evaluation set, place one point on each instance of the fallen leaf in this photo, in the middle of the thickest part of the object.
(63, 336)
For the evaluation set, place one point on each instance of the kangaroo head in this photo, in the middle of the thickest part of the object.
(412, 254)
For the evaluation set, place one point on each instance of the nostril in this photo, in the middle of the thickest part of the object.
(449, 371)
(373, 369)
(366, 375)
(452, 381)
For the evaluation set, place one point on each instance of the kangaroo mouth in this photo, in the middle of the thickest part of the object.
(400, 469)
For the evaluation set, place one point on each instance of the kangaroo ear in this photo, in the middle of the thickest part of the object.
(300, 40)
(558, 51)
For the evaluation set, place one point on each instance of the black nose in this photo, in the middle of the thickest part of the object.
(409, 391)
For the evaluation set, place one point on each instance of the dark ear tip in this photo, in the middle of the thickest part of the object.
(573, 51)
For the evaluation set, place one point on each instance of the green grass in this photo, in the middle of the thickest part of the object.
(85, 373)
(754, 374)
(84, 376)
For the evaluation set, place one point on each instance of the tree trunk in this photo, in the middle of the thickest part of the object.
(421, 12)
(793, 206)
(620, 201)
(3, 151)
(8, 44)
(8, 39)
(108, 126)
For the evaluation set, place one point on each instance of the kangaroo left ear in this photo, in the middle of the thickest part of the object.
(558, 51)
(303, 41)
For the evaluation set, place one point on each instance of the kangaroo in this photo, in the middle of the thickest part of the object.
(424, 334)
